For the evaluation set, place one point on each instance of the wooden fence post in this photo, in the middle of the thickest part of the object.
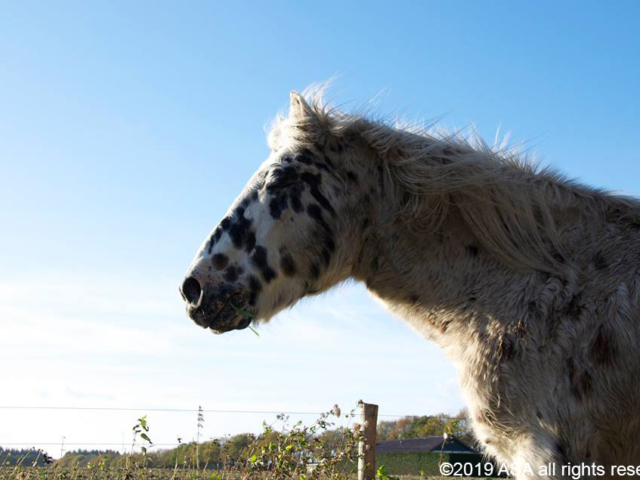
(367, 448)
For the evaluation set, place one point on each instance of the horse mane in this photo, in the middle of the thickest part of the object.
(510, 204)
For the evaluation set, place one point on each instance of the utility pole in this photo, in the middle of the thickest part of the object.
(200, 426)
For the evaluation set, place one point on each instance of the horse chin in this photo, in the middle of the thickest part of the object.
(243, 323)
(229, 320)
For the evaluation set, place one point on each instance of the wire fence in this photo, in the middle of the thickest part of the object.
(77, 444)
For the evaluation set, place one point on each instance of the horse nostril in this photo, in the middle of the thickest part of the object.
(192, 291)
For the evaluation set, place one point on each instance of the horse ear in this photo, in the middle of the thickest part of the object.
(299, 108)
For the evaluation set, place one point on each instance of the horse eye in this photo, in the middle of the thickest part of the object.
(278, 185)
(282, 178)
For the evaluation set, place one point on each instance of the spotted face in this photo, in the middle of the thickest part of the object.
(293, 231)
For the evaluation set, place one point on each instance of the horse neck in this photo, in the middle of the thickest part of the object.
(442, 277)
(435, 278)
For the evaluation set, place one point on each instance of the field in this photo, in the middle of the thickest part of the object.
(281, 451)
(296, 451)
(52, 473)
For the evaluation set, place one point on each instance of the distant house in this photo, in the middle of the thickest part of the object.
(423, 456)
(435, 444)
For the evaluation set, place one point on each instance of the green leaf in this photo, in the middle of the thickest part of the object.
(254, 458)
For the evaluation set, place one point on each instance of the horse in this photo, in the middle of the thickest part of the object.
(530, 282)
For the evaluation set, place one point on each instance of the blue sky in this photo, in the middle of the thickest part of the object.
(127, 129)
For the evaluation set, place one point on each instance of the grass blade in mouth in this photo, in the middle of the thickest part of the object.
(254, 331)
(246, 314)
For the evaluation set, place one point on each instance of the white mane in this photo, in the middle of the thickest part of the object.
(504, 197)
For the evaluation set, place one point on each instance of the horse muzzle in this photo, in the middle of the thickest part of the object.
(220, 309)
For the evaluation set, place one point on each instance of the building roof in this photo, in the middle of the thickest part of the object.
(424, 444)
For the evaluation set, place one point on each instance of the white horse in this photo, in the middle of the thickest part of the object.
(528, 281)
